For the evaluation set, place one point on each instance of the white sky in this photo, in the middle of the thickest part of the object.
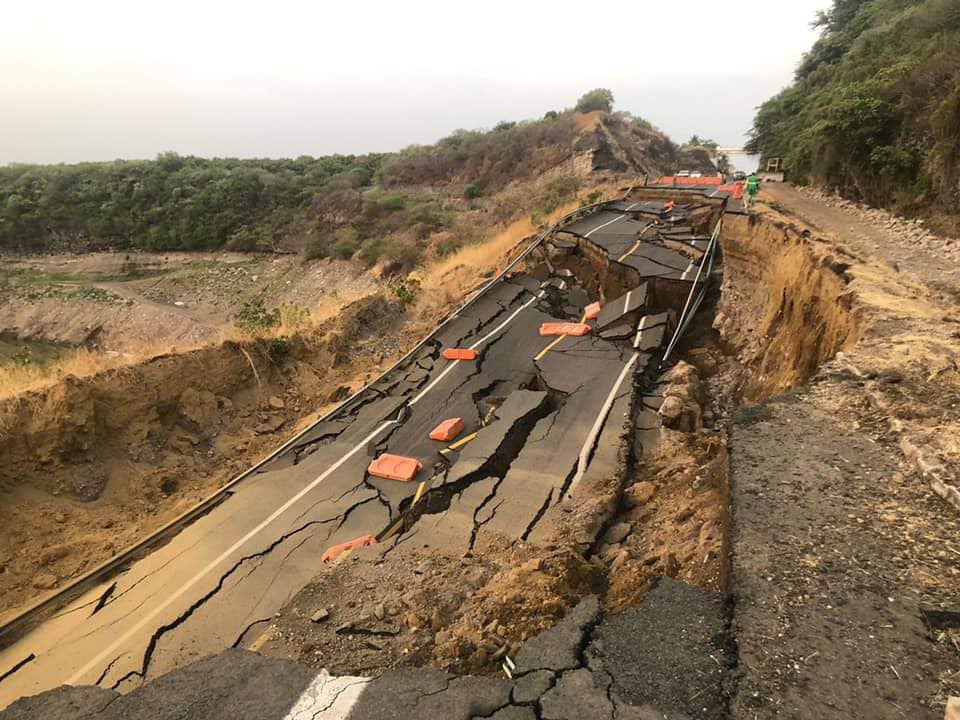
(98, 79)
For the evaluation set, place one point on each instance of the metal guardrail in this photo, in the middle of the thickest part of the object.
(101, 572)
(689, 310)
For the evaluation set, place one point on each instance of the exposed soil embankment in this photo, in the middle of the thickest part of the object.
(89, 465)
(785, 303)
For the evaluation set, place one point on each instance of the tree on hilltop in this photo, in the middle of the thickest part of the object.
(597, 99)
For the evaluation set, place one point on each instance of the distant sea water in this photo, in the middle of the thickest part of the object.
(744, 162)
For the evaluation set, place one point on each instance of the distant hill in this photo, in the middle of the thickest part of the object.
(874, 109)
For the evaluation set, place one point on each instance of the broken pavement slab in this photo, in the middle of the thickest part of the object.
(559, 648)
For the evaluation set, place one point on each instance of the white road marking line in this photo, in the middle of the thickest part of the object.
(477, 344)
(689, 270)
(626, 302)
(640, 327)
(146, 619)
(598, 425)
(109, 650)
(328, 697)
(616, 219)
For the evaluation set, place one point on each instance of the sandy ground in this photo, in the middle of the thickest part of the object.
(123, 302)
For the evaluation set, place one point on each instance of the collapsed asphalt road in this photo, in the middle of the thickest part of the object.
(587, 666)
(535, 407)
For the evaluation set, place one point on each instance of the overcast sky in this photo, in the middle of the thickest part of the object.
(97, 80)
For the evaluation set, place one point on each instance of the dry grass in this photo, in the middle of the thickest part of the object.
(83, 362)
(448, 281)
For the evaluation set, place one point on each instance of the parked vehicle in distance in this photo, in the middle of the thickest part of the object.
(739, 176)
(696, 174)
(683, 173)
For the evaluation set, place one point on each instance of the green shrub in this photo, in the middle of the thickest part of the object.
(472, 191)
(318, 245)
(346, 242)
(597, 99)
(253, 317)
(558, 191)
(406, 290)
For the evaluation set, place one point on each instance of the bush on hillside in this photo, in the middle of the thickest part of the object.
(597, 99)
(874, 109)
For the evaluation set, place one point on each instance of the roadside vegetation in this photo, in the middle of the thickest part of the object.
(874, 109)
(171, 203)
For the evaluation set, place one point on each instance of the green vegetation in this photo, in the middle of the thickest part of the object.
(172, 202)
(391, 226)
(406, 290)
(697, 141)
(559, 190)
(598, 99)
(874, 110)
(485, 161)
(255, 319)
(379, 208)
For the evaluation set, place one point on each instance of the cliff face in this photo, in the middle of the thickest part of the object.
(623, 144)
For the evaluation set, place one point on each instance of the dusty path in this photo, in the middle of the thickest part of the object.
(935, 269)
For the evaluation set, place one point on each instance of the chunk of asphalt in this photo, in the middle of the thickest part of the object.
(618, 307)
(429, 693)
(492, 438)
(234, 684)
(683, 659)
(76, 703)
(528, 688)
(560, 647)
(576, 697)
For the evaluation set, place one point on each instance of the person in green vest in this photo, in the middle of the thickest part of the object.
(753, 187)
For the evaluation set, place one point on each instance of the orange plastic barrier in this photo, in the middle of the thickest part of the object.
(395, 467)
(735, 190)
(338, 550)
(564, 328)
(460, 354)
(447, 430)
(592, 311)
(700, 181)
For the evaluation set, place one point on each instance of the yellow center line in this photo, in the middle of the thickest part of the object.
(388, 534)
(539, 356)
(636, 245)
(460, 443)
(548, 348)
(416, 498)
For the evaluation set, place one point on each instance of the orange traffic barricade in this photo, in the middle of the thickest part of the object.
(592, 311)
(564, 328)
(460, 354)
(447, 430)
(395, 467)
(338, 550)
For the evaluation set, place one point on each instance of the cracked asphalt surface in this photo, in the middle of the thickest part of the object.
(217, 583)
(585, 667)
